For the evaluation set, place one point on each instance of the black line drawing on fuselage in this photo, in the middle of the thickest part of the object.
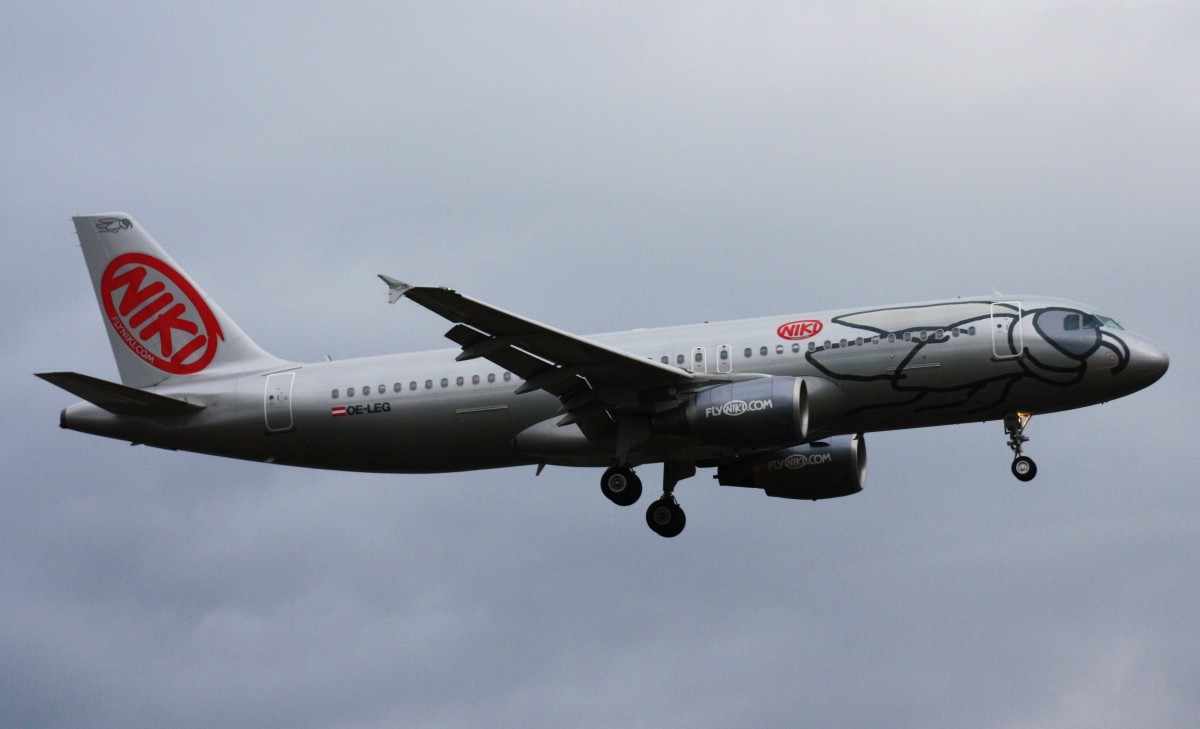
(1052, 345)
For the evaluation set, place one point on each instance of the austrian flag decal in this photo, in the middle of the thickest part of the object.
(159, 314)
(339, 411)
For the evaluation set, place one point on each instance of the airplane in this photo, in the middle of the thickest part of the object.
(777, 403)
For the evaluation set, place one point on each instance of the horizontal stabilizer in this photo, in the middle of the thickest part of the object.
(118, 399)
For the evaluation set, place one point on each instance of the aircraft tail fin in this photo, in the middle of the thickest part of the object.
(160, 324)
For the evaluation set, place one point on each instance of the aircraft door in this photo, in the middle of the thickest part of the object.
(1007, 338)
(277, 401)
(699, 364)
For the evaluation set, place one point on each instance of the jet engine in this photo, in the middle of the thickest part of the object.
(761, 413)
(821, 470)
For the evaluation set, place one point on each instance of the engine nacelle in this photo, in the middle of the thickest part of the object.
(822, 470)
(768, 412)
(760, 413)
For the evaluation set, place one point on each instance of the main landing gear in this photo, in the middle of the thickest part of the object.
(1023, 466)
(665, 517)
(621, 486)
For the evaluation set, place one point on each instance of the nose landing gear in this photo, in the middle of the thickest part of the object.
(1023, 466)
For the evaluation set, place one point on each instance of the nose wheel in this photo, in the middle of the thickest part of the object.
(1023, 466)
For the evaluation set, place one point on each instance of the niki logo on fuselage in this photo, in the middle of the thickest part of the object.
(159, 315)
(801, 329)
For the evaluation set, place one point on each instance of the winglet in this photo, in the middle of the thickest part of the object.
(396, 289)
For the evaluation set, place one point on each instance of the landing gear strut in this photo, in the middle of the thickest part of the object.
(665, 517)
(1023, 466)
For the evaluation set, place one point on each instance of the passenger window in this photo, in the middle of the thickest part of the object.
(762, 351)
(843, 342)
(795, 347)
(666, 359)
(812, 346)
(474, 379)
(335, 393)
(891, 339)
(778, 349)
(924, 335)
(397, 387)
(971, 331)
(366, 391)
(699, 357)
(459, 382)
(428, 384)
(940, 333)
(491, 377)
(349, 392)
(412, 385)
(908, 336)
(445, 382)
(382, 389)
(679, 360)
(748, 352)
(507, 376)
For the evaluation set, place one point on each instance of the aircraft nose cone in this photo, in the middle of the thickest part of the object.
(1149, 362)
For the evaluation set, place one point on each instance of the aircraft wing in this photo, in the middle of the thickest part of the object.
(592, 380)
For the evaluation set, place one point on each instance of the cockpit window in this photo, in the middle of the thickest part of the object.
(1091, 321)
(1071, 323)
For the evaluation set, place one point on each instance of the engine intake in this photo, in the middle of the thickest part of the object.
(822, 470)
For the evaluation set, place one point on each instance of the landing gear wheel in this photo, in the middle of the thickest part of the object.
(665, 517)
(1024, 468)
(621, 486)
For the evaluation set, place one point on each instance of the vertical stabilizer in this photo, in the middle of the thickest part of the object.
(160, 323)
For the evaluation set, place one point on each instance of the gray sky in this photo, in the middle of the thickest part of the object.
(602, 167)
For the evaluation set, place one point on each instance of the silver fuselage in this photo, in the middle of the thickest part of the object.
(905, 366)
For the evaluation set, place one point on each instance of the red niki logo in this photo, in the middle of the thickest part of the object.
(158, 314)
(802, 329)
